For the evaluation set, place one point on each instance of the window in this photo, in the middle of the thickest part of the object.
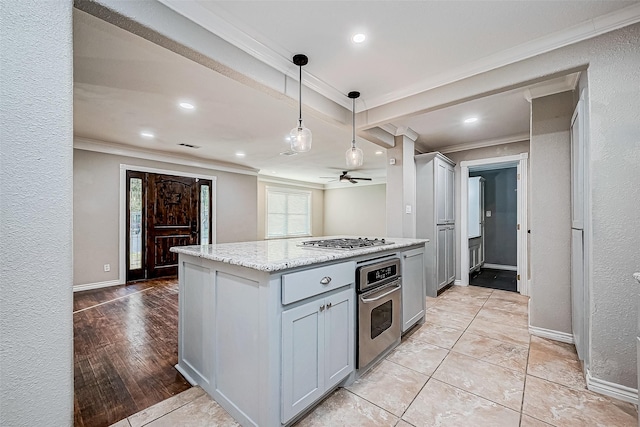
(288, 213)
(204, 214)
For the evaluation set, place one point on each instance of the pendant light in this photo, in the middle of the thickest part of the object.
(354, 155)
(300, 136)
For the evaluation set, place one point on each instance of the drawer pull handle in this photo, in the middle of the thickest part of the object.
(325, 280)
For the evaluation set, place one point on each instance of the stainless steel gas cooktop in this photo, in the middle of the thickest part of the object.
(344, 243)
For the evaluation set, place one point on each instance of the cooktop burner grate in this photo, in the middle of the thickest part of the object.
(344, 243)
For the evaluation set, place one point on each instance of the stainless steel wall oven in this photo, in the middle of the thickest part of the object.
(378, 284)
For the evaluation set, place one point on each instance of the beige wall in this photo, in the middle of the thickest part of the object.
(478, 154)
(359, 210)
(317, 208)
(96, 204)
(550, 212)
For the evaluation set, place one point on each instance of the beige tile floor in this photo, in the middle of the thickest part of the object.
(473, 363)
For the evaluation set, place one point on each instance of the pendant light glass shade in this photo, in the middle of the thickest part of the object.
(354, 155)
(300, 137)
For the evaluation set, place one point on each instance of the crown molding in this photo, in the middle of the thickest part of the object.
(380, 135)
(583, 31)
(551, 87)
(290, 182)
(408, 132)
(218, 22)
(481, 144)
(104, 147)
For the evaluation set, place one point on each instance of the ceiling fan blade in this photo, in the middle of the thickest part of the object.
(353, 181)
(363, 179)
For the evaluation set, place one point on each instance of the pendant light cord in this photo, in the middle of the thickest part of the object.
(353, 110)
(300, 98)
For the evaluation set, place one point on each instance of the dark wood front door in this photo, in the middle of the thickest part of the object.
(171, 216)
(172, 220)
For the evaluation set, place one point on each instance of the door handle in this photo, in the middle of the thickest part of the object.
(381, 296)
(194, 227)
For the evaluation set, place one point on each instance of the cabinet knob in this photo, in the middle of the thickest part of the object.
(325, 280)
(328, 305)
(322, 307)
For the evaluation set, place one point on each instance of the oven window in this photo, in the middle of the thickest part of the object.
(381, 318)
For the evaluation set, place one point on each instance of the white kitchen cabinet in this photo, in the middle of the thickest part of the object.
(435, 218)
(318, 341)
(413, 288)
(445, 255)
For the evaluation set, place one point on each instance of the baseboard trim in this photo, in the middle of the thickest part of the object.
(458, 283)
(500, 267)
(551, 334)
(97, 285)
(185, 375)
(614, 390)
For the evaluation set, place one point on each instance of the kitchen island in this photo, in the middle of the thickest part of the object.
(268, 328)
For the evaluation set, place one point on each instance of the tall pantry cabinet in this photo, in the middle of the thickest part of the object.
(435, 218)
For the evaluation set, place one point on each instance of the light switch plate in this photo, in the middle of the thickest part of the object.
(407, 209)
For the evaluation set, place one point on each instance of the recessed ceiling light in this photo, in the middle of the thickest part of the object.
(471, 120)
(379, 152)
(147, 134)
(358, 38)
(186, 105)
(240, 154)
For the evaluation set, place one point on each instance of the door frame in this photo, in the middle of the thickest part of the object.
(122, 232)
(519, 160)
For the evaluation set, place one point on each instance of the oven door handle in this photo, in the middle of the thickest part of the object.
(397, 287)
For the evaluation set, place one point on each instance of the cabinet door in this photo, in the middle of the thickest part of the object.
(413, 288)
(339, 339)
(302, 357)
(450, 254)
(441, 256)
(441, 191)
(450, 195)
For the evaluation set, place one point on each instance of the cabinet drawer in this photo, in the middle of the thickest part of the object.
(305, 284)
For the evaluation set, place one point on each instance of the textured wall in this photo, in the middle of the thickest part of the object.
(614, 85)
(36, 348)
(317, 208)
(97, 202)
(550, 212)
(356, 210)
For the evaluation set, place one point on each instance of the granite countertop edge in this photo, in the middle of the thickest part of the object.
(284, 254)
(637, 276)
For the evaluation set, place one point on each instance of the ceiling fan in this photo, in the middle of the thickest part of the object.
(346, 177)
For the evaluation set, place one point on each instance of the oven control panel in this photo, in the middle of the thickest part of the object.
(372, 275)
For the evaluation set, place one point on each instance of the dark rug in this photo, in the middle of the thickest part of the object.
(495, 279)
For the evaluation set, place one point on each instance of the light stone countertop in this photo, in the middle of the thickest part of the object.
(283, 254)
(637, 276)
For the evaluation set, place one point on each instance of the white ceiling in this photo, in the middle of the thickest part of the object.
(124, 84)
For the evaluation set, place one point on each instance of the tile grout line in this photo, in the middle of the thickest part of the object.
(441, 362)
(113, 300)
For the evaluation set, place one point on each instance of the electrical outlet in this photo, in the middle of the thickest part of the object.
(407, 209)
(107, 267)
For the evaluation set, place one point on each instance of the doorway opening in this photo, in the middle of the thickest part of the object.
(161, 209)
(493, 240)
